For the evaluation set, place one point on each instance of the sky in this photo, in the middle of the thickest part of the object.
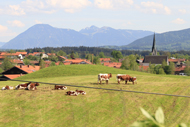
(153, 15)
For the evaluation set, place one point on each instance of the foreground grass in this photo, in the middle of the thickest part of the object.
(47, 107)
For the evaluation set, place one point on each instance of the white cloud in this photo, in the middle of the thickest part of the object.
(155, 8)
(15, 10)
(178, 21)
(183, 11)
(113, 4)
(3, 28)
(16, 23)
(70, 6)
(38, 22)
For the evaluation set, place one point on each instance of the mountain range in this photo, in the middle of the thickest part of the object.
(168, 41)
(44, 35)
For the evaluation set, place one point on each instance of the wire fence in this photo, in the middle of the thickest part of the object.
(101, 106)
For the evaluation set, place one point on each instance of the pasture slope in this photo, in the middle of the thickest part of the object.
(46, 107)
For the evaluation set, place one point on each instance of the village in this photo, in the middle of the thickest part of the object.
(22, 67)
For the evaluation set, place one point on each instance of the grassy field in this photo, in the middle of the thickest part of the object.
(46, 107)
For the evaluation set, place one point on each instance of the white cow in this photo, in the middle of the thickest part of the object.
(7, 88)
(104, 77)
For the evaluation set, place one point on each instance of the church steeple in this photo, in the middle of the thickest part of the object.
(154, 52)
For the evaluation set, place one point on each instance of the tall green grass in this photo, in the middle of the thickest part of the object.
(46, 107)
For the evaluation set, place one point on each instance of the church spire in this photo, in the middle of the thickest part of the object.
(154, 52)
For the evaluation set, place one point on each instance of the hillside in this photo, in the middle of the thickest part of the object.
(43, 35)
(48, 107)
(169, 41)
(72, 70)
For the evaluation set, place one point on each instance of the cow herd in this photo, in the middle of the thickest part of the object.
(101, 77)
(119, 77)
(32, 86)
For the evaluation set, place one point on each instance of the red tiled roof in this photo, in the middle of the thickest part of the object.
(17, 61)
(23, 53)
(113, 64)
(1, 57)
(180, 68)
(67, 63)
(76, 61)
(176, 60)
(62, 57)
(34, 62)
(28, 69)
(49, 54)
(144, 67)
(12, 76)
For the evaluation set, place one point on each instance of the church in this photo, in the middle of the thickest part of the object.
(154, 58)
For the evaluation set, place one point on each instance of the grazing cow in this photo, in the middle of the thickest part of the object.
(72, 93)
(32, 86)
(81, 92)
(59, 87)
(7, 88)
(123, 77)
(133, 79)
(103, 77)
(22, 86)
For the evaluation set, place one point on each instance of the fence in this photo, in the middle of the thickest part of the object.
(102, 106)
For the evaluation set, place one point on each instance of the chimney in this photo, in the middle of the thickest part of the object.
(20, 74)
(20, 66)
(28, 66)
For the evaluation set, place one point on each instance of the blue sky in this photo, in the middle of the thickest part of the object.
(153, 15)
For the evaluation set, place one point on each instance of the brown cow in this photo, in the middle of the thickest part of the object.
(103, 77)
(22, 86)
(81, 92)
(32, 86)
(72, 93)
(123, 77)
(59, 87)
(133, 79)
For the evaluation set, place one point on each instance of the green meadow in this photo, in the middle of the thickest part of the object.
(47, 107)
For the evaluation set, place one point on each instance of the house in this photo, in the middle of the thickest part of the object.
(61, 58)
(77, 61)
(154, 58)
(157, 60)
(105, 60)
(17, 62)
(19, 70)
(113, 64)
(177, 62)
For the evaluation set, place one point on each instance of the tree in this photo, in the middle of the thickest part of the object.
(27, 61)
(76, 55)
(61, 53)
(61, 63)
(151, 68)
(52, 64)
(116, 54)
(172, 68)
(125, 63)
(12, 51)
(42, 64)
(72, 55)
(96, 60)
(7, 64)
(187, 68)
(161, 71)
(101, 55)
